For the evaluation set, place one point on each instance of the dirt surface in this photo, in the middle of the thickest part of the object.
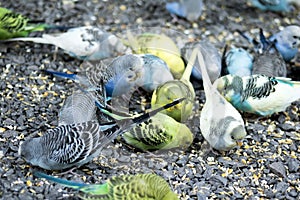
(266, 165)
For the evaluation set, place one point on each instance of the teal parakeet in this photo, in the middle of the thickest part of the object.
(174, 89)
(159, 132)
(16, 25)
(131, 187)
(259, 94)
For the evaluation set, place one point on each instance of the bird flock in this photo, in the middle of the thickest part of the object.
(234, 82)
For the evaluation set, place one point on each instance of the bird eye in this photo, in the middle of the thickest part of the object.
(232, 137)
(130, 76)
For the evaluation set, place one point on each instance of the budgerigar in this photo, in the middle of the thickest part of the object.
(15, 25)
(220, 123)
(259, 94)
(159, 132)
(84, 43)
(133, 187)
(73, 145)
(211, 56)
(287, 41)
(272, 5)
(189, 9)
(268, 63)
(78, 107)
(161, 46)
(123, 75)
(174, 89)
(237, 61)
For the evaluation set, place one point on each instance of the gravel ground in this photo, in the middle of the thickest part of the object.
(266, 166)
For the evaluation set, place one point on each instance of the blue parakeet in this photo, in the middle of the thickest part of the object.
(237, 61)
(189, 9)
(122, 76)
(272, 5)
(73, 145)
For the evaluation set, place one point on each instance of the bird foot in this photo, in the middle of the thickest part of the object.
(70, 171)
(153, 155)
(297, 64)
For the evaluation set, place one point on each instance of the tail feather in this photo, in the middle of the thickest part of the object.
(146, 116)
(188, 70)
(248, 38)
(206, 80)
(94, 189)
(266, 45)
(224, 70)
(41, 27)
(64, 182)
(62, 74)
(132, 41)
(29, 39)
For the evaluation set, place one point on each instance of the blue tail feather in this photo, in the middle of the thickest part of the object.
(71, 184)
(175, 8)
(62, 74)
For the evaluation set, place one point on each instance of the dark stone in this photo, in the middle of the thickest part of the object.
(286, 127)
(278, 169)
(293, 165)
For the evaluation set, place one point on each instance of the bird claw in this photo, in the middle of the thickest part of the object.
(69, 171)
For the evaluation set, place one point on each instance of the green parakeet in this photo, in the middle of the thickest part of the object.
(15, 25)
(159, 132)
(174, 89)
(130, 187)
(161, 46)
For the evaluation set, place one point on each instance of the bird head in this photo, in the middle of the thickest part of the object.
(232, 137)
(31, 150)
(226, 86)
(182, 136)
(294, 35)
(170, 91)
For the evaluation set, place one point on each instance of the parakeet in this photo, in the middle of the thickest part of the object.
(268, 63)
(123, 75)
(258, 94)
(161, 46)
(78, 107)
(189, 9)
(220, 123)
(237, 61)
(15, 25)
(211, 56)
(84, 43)
(159, 132)
(73, 145)
(133, 187)
(287, 41)
(272, 5)
(174, 89)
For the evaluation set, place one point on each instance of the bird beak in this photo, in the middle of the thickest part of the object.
(239, 143)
